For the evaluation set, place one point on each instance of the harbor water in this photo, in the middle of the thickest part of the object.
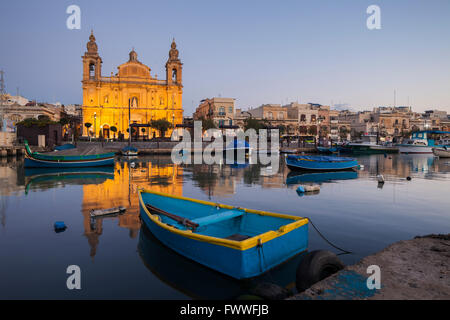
(120, 259)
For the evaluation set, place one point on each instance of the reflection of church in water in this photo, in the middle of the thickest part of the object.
(123, 191)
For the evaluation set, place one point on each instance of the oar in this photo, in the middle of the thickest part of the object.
(186, 222)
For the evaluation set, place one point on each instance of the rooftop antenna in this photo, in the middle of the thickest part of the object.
(395, 93)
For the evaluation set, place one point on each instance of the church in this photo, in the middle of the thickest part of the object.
(106, 99)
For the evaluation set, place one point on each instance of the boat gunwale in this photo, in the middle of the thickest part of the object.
(55, 158)
(233, 244)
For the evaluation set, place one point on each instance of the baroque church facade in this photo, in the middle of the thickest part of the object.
(106, 100)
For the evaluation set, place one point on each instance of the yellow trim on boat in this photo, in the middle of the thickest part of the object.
(238, 245)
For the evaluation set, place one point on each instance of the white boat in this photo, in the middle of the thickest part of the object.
(442, 152)
(422, 142)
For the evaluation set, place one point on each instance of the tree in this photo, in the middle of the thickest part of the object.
(64, 121)
(42, 122)
(282, 129)
(343, 133)
(162, 125)
(208, 124)
(303, 129)
(323, 131)
(113, 130)
(312, 130)
(252, 123)
(43, 118)
(88, 125)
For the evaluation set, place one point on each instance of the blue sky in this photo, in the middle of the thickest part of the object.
(255, 51)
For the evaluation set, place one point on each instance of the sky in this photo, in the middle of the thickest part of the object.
(257, 52)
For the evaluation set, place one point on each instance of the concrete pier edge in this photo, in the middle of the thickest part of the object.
(416, 269)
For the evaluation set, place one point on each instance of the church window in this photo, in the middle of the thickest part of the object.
(91, 71)
(134, 102)
(174, 75)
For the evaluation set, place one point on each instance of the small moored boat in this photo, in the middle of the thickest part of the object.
(320, 163)
(54, 160)
(327, 150)
(241, 243)
(129, 151)
(443, 152)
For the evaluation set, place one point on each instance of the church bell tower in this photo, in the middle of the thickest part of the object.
(92, 63)
(174, 66)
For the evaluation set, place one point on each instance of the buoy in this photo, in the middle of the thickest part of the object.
(308, 188)
(60, 226)
(380, 178)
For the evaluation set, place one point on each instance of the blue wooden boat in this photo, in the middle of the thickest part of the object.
(129, 151)
(41, 160)
(320, 163)
(238, 242)
(203, 282)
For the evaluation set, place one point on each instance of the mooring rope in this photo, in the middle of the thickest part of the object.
(324, 238)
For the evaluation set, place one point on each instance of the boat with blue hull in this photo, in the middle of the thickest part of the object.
(42, 160)
(241, 243)
(327, 150)
(319, 177)
(320, 163)
(203, 282)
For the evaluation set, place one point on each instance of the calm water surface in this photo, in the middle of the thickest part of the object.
(119, 258)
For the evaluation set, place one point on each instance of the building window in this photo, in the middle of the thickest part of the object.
(313, 118)
(281, 115)
(270, 115)
(221, 111)
(303, 118)
(230, 109)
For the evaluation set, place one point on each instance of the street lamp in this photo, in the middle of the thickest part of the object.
(95, 124)
(173, 122)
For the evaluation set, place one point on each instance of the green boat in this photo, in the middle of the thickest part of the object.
(369, 145)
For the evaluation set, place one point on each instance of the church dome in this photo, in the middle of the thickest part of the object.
(133, 68)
